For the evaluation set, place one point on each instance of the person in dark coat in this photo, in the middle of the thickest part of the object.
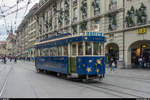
(15, 60)
(4, 59)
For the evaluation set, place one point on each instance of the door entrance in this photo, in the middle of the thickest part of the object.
(140, 49)
(112, 52)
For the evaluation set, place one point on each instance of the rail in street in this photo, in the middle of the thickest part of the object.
(117, 84)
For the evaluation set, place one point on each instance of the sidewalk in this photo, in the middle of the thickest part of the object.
(129, 73)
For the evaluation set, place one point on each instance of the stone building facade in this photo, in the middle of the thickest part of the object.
(125, 24)
(10, 45)
(3, 48)
(76, 16)
(26, 35)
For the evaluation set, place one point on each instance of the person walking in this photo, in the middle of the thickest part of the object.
(140, 60)
(111, 61)
(15, 60)
(4, 59)
(113, 66)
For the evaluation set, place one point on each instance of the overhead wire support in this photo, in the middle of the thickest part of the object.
(29, 1)
(4, 20)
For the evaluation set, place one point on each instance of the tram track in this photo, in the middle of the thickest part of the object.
(133, 78)
(5, 82)
(116, 91)
(110, 89)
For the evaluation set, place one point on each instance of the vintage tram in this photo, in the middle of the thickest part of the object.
(76, 56)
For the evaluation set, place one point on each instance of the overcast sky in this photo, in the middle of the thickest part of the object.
(15, 18)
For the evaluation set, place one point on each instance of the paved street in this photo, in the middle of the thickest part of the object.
(20, 80)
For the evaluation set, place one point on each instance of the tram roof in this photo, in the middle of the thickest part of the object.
(67, 38)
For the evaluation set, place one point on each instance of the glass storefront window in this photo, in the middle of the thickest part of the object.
(80, 48)
(88, 46)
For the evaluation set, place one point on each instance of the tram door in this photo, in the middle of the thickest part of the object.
(72, 59)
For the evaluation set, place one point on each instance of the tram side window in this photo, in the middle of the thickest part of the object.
(65, 49)
(74, 48)
(88, 46)
(97, 48)
(44, 52)
(60, 51)
(51, 52)
(54, 51)
(80, 48)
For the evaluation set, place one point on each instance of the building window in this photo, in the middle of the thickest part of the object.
(112, 22)
(75, 14)
(96, 6)
(113, 5)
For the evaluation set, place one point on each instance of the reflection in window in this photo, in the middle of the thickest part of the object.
(59, 51)
(80, 48)
(97, 48)
(88, 48)
(65, 50)
(44, 52)
(74, 52)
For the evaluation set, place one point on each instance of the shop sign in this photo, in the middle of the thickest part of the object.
(143, 46)
(141, 30)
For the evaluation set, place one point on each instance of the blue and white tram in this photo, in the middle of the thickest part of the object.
(80, 55)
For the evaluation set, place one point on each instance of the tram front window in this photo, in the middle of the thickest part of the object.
(74, 47)
(97, 48)
(80, 48)
(88, 46)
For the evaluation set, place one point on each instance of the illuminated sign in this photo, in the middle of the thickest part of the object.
(141, 30)
(111, 48)
(143, 46)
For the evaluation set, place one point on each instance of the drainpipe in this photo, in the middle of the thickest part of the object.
(123, 33)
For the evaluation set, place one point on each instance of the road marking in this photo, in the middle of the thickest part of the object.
(3, 88)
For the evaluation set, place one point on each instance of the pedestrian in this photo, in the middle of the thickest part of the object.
(113, 66)
(15, 60)
(144, 62)
(111, 61)
(4, 59)
(10, 59)
(140, 60)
